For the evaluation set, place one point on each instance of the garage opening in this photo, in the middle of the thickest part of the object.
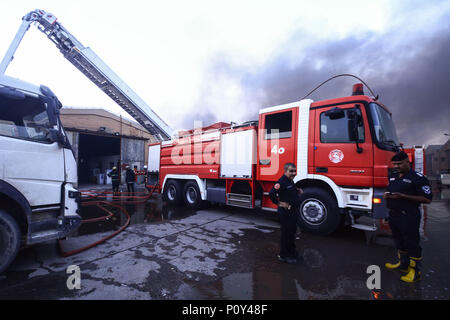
(96, 156)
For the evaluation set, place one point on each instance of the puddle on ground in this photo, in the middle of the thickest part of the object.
(154, 210)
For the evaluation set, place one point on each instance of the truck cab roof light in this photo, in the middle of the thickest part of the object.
(357, 89)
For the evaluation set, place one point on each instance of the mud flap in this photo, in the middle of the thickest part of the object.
(379, 210)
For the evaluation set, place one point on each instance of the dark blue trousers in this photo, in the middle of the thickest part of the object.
(405, 231)
(288, 220)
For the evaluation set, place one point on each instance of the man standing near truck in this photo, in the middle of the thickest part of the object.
(406, 191)
(286, 196)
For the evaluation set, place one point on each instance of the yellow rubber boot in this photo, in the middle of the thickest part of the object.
(414, 273)
(402, 264)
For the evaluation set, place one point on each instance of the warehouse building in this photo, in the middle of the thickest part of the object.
(101, 140)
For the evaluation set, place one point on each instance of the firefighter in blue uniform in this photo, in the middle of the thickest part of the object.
(286, 196)
(406, 191)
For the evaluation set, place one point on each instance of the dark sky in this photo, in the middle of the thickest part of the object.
(411, 74)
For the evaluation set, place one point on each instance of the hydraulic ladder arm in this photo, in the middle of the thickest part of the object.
(85, 60)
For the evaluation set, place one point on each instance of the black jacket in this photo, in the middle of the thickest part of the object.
(130, 176)
(114, 176)
(285, 190)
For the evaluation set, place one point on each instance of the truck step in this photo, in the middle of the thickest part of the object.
(43, 225)
(43, 236)
(360, 226)
(364, 227)
(239, 200)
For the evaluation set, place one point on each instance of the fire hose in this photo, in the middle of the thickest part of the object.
(93, 197)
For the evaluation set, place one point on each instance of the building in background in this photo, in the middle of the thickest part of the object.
(438, 159)
(101, 140)
(431, 157)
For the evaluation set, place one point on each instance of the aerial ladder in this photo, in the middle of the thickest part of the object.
(85, 60)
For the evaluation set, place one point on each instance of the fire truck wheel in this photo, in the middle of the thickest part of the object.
(172, 192)
(191, 195)
(318, 212)
(9, 240)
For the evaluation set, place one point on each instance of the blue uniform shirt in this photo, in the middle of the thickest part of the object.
(413, 184)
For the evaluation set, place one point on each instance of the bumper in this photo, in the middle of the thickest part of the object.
(71, 219)
(57, 224)
(379, 210)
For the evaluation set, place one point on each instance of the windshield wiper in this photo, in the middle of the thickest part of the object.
(391, 142)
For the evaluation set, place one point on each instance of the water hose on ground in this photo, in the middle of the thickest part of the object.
(91, 195)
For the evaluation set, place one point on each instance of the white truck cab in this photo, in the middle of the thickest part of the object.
(38, 172)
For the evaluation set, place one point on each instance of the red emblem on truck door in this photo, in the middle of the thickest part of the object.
(336, 156)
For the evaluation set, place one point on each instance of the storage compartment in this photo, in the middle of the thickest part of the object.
(238, 154)
(154, 153)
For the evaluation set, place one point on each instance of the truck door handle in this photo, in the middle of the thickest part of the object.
(322, 169)
(264, 161)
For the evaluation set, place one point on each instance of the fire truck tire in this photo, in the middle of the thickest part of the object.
(10, 236)
(173, 192)
(318, 212)
(191, 195)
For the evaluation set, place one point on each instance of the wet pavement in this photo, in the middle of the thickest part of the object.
(224, 253)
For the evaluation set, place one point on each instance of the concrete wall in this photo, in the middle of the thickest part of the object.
(133, 152)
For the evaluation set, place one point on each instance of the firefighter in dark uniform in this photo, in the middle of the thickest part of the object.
(406, 191)
(115, 179)
(130, 177)
(286, 196)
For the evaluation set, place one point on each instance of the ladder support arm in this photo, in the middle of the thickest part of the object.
(86, 61)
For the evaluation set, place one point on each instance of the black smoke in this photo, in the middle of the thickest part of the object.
(411, 76)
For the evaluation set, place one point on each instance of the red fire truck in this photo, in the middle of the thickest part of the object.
(342, 149)
(416, 155)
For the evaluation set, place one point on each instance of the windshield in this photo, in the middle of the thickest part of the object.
(24, 119)
(383, 126)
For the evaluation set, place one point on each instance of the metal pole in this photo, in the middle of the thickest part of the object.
(9, 56)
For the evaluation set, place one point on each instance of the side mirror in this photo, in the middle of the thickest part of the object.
(352, 126)
(51, 110)
(53, 105)
(335, 113)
